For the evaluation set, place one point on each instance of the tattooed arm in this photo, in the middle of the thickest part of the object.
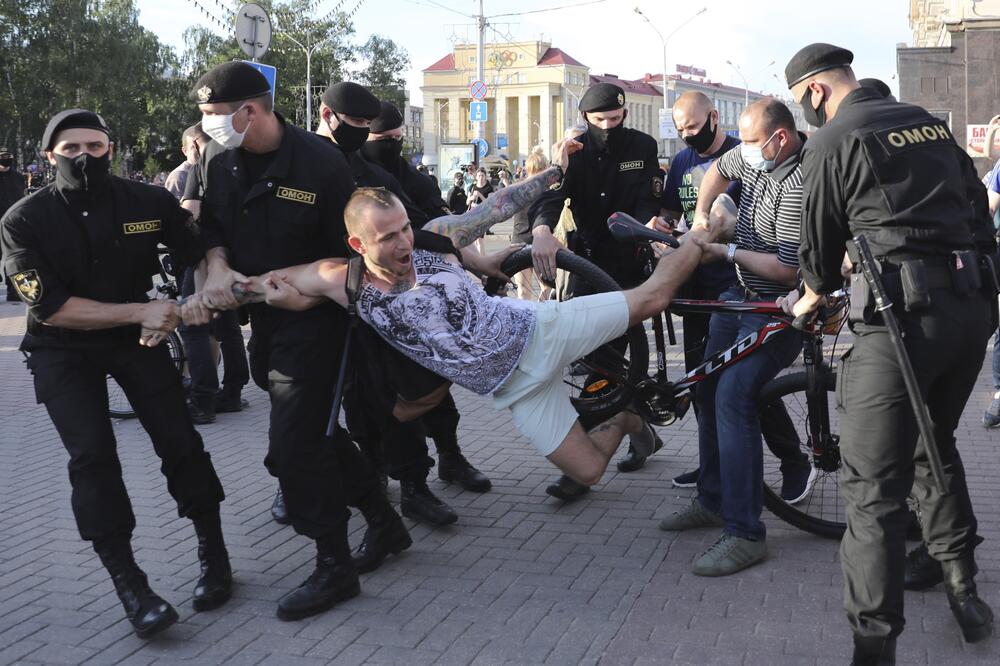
(502, 204)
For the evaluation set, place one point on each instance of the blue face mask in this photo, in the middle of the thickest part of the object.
(754, 155)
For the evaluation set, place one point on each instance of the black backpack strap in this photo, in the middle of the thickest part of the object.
(355, 273)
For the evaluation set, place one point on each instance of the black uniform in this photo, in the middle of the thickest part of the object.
(12, 188)
(272, 211)
(894, 173)
(60, 243)
(626, 178)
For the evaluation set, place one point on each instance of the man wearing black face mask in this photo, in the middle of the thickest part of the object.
(895, 174)
(400, 448)
(81, 253)
(617, 170)
(384, 147)
(277, 196)
(12, 188)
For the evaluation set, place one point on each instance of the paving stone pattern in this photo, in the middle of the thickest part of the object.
(520, 579)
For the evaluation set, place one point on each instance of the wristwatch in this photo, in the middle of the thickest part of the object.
(731, 253)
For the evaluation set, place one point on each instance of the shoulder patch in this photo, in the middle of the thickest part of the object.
(28, 286)
(657, 186)
(629, 166)
(900, 139)
(144, 227)
(297, 196)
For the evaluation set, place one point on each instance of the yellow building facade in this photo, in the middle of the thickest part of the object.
(533, 94)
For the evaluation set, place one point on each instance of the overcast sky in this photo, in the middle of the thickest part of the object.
(608, 36)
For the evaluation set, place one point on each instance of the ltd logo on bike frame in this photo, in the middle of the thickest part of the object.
(728, 356)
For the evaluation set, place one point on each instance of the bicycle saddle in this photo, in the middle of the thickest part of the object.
(626, 229)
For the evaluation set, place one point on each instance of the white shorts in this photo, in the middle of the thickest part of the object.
(564, 331)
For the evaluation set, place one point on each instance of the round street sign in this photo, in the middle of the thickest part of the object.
(478, 90)
(483, 147)
(253, 30)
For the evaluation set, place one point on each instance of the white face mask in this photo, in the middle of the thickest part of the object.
(754, 156)
(220, 127)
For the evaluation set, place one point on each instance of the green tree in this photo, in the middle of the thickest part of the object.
(385, 73)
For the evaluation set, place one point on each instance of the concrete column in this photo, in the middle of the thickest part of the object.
(524, 126)
(545, 118)
(455, 120)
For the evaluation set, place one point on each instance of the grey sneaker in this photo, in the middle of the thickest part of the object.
(991, 419)
(728, 555)
(693, 517)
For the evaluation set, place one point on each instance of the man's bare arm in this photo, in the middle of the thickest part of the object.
(464, 229)
(316, 282)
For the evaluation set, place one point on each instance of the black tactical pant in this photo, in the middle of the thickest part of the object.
(882, 461)
(72, 383)
(319, 476)
(380, 374)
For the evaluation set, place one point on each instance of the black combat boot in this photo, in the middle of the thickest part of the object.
(454, 468)
(334, 579)
(147, 611)
(215, 586)
(419, 503)
(386, 535)
(278, 509)
(973, 614)
(567, 489)
(872, 651)
(921, 571)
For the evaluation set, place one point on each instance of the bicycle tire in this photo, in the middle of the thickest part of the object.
(118, 404)
(596, 403)
(823, 512)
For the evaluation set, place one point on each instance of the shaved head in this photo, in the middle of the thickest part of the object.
(363, 204)
(694, 103)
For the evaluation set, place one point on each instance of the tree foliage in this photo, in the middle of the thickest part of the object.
(385, 73)
(59, 54)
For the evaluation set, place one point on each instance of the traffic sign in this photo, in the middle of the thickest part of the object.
(477, 112)
(501, 141)
(478, 90)
(253, 30)
(270, 73)
(483, 146)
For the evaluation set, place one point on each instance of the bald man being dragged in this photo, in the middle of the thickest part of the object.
(411, 297)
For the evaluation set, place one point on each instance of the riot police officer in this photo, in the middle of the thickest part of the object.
(276, 198)
(81, 253)
(617, 170)
(894, 173)
(384, 147)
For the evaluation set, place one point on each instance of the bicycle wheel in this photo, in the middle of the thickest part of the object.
(823, 510)
(603, 383)
(118, 404)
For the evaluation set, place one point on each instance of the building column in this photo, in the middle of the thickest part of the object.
(455, 120)
(524, 126)
(545, 118)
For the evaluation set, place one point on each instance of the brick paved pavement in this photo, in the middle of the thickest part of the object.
(520, 579)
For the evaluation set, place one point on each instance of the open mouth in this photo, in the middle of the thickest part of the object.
(405, 259)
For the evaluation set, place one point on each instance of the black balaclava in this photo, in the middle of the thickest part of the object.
(384, 152)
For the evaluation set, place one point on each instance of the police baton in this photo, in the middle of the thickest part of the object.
(883, 304)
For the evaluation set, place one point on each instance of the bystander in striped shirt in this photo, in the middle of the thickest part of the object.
(770, 215)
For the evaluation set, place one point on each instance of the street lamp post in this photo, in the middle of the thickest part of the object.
(309, 49)
(663, 41)
(746, 86)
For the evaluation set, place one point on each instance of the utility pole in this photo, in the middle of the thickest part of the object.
(480, 60)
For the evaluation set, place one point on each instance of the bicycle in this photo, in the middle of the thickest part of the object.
(617, 379)
(118, 404)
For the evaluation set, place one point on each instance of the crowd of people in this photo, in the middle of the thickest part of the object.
(353, 272)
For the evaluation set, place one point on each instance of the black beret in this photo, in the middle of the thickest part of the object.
(816, 58)
(72, 119)
(878, 85)
(602, 97)
(353, 100)
(389, 118)
(230, 82)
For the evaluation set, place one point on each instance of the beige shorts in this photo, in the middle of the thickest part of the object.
(564, 331)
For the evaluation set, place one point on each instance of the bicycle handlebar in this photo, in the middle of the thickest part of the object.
(626, 229)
